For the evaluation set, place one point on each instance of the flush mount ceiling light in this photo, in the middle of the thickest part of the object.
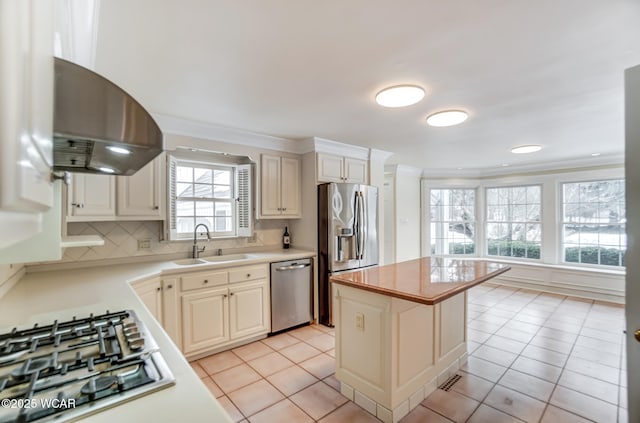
(118, 150)
(525, 149)
(400, 96)
(106, 170)
(595, 154)
(447, 118)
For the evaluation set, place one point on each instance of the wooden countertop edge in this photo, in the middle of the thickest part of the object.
(419, 298)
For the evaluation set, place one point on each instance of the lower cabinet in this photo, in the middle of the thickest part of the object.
(161, 299)
(150, 292)
(203, 311)
(249, 311)
(205, 319)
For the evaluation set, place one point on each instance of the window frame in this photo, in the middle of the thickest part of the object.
(242, 194)
(474, 221)
(486, 222)
(561, 222)
(214, 200)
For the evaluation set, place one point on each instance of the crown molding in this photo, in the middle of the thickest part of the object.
(582, 163)
(323, 145)
(400, 169)
(379, 155)
(180, 126)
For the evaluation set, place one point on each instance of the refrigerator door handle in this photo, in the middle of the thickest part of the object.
(363, 226)
(357, 224)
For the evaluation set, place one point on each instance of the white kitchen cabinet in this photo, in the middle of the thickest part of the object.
(91, 198)
(355, 171)
(205, 319)
(171, 310)
(161, 299)
(341, 169)
(208, 311)
(280, 195)
(150, 293)
(26, 117)
(223, 307)
(141, 195)
(248, 309)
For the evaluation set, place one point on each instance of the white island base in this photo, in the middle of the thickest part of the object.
(391, 353)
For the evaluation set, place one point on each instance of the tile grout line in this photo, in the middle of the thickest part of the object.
(564, 298)
(507, 368)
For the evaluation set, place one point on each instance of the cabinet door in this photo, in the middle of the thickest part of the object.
(150, 292)
(329, 168)
(290, 191)
(171, 310)
(26, 107)
(355, 171)
(249, 309)
(140, 194)
(271, 200)
(93, 197)
(205, 321)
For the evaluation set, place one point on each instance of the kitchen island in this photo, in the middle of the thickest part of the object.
(401, 329)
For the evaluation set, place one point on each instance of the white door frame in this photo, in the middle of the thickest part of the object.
(632, 178)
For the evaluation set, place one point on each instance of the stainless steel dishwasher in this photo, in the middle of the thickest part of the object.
(291, 293)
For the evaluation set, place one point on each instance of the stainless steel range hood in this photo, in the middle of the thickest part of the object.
(97, 126)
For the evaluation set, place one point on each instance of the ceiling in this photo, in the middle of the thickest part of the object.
(545, 72)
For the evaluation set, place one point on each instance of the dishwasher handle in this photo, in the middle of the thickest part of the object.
(293, 267)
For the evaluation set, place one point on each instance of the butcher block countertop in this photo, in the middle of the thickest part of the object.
(428, 280)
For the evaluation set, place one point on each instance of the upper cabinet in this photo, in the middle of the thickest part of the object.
(26, 117)
(141, 195)
(280, 195)
(342, 169)
(93, 198)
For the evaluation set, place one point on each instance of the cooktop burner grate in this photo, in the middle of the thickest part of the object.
(67, 369)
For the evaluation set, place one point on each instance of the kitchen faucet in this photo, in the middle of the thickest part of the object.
(196, 251)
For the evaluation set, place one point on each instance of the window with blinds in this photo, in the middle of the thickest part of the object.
(216, 195)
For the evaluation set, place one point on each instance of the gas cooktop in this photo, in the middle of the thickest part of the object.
(66, 370)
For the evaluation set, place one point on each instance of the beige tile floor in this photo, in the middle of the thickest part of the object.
(533, 357)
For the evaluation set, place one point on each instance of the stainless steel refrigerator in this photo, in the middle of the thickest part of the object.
(347, 235)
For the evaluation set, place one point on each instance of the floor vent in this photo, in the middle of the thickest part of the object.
(448, 384)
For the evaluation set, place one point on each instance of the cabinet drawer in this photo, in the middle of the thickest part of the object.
(248, 273)
(204, 280)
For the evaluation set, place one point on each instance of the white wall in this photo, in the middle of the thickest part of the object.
(304, 231)
(407, 209)
(389, 243)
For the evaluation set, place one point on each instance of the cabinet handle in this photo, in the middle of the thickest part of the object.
(169, 286)
(156, 207)
(284, 209)
(158, 289)
(224, 296)
(248, 275)
(231, 294)
(206, 281)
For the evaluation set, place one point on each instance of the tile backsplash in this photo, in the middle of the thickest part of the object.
(121, 240)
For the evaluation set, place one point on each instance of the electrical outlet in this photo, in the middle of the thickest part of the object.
(144, 244)
(360, 321)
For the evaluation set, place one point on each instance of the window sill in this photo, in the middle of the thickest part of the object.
(541, 265)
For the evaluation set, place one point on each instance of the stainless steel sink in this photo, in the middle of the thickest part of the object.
(229, 257)
(189, 262)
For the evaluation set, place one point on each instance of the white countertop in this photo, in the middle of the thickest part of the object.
(45, 296)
